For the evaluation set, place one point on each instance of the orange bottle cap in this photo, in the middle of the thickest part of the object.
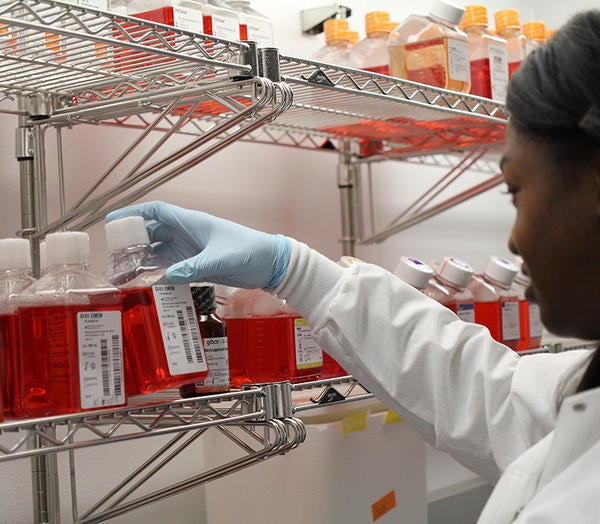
(550, 33)
(475, 15)
(353, 37)
(507, 19)
(376, 21)
(334, 27)
(534, 30)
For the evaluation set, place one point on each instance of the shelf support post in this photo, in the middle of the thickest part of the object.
(347, 180)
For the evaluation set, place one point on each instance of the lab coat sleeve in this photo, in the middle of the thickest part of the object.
(462, 391)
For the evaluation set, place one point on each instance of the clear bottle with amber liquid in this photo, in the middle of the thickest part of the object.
(431, 49)
(214, 338)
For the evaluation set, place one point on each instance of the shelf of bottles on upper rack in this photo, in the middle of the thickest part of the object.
(112, 69)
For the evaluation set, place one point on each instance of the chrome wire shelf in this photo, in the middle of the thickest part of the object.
(386, 116)
(79, 54)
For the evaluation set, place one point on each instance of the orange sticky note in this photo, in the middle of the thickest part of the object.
(384, 505)
(354, 422)
(392, 417)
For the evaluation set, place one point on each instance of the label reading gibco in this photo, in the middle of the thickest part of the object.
(217, 358)
(308, 353)
(100, 344)
(179, 329)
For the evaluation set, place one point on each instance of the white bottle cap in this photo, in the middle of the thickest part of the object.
(126, 232)
(521, 277)
(501, 270)
(14, 253)
(455, 271)
(452, 13)
(69, 247)
(413, 272)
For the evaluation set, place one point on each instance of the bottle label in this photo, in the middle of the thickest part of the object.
(458, 60)
(510, 320)
(260, 31)
(466, 312)
(217, 358)
(308, 353)
(100, 342)
(498, 71)
(179, 329)
(536, 327)
(187, 19)
(226, 27)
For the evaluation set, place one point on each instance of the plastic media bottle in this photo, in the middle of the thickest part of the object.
(509, 28)
(214, 338)
(253, 25)
(15, 266)
(268, 341)
(535, 32)
(181, 14)
(337, 49)
(449, 287)
(371, 53)
(414, 272)
(529, 313)
(496, 302)
(550, 34)
(431, 49)
(488, 56)
(70, 335)
(160, 326)
(220, 20)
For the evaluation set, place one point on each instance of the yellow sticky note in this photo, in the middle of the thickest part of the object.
(384, 505)
(355, 422)
(392, 417)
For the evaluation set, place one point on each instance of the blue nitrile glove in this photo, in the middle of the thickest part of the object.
(212, 249)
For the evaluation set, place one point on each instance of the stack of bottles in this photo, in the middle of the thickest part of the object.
(495, 298)
(268, 341)
(451, 47)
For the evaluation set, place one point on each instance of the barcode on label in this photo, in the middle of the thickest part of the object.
(195, 332)
(184, 337)
(116, 355)
(104, 360)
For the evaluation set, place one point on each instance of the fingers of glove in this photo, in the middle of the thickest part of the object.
(206, 267)
(154, 210)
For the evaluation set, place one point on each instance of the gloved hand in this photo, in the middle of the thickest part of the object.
(212, 249)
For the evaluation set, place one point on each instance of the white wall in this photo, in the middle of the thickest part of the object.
(276, 189)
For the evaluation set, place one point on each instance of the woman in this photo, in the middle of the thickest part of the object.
(531, 425)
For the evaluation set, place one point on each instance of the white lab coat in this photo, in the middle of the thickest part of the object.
(505, 417)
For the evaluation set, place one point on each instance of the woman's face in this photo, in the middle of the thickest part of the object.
(557, 232)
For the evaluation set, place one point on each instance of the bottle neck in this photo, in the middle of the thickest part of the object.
(450, 285)
(494, 282)
(206, 312)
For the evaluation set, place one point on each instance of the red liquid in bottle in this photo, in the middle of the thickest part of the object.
(480, 78)
(50, 352)
(263, 349)
(382, 69)
(331, 368)
(524, 324)
(10, 365)
(143, 342)
(512, 67)
(489, 314)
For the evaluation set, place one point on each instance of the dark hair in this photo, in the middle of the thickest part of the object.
(555, 98)
(555, 95)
